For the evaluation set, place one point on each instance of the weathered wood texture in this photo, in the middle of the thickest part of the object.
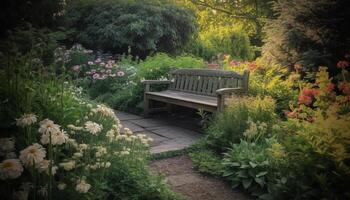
(198, 88)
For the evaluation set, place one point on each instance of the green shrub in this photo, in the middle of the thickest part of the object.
(230, 125)
(247, 165)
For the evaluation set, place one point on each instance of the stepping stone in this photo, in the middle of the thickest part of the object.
(148, 123)
(133, 127)
(157, 140)
(122, 116)
(172, 145)
(183, 179)
(176, 132)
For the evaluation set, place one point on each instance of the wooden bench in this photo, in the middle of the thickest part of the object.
(196, 88)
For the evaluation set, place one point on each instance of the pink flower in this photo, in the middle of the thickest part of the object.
(120, 73)
(98, 60)
(342, 64)
(234, 63)
(96, 76)
(76, 67)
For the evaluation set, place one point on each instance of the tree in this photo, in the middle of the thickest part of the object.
(39, 13)
(145, 26)
(310, 33)
(249, 14)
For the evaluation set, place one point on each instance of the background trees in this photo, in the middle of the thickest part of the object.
(309, 33)
(145, 26)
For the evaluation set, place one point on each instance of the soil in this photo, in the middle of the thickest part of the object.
(183, 179)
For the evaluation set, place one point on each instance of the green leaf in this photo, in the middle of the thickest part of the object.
(242, 174)
(260, 181)
(247, 183)
(261, 174)
(227, 173)
(252, 164)
(265, 197)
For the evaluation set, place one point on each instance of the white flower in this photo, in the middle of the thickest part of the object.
(61, 186)
(77, 155)
(69, 165)
(33, 154)
(82, 186)
(26, 120)
(104, 111)
(93, 127)
(10, 169)
(43, 191)
(127, 131)
(83, 147)
(75, 128)
(44, 167)
(6, 145)
(57, 138)
(101, 151)
(47, 126)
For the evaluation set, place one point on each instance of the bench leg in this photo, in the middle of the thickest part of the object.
(146, 107)
(169, 108)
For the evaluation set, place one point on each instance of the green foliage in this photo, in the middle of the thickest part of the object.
(229, 126)
(206, 161)
(226, 40)
(266, 79)
(310, 33)
(145, 26)
(247, 165)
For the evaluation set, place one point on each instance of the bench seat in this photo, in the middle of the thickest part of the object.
(186, 99)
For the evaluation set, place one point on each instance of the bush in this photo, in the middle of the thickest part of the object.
(206, 161)
(145, 26)
(268, 80)
(241, 113)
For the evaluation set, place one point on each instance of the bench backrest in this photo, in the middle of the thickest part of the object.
(207, 81)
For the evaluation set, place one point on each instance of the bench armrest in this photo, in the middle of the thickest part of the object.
(152, 82)
(224, 91)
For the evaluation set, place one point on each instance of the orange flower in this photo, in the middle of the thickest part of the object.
(297, 67)
(330, 87)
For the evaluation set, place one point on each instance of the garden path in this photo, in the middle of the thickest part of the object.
(183, 179)
(168, 134)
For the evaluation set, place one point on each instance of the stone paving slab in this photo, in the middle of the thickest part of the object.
(167, 136)
(157, 139)
(126, 116)
(133, 127)
(149, 123)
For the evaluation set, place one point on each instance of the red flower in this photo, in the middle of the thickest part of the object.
(303, 99)
(344, 87)
(308, 92)
(342, 64)
(330, 87)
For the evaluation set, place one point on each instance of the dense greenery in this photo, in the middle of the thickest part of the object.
(145, 26)
(62, 144)
(309, 33)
